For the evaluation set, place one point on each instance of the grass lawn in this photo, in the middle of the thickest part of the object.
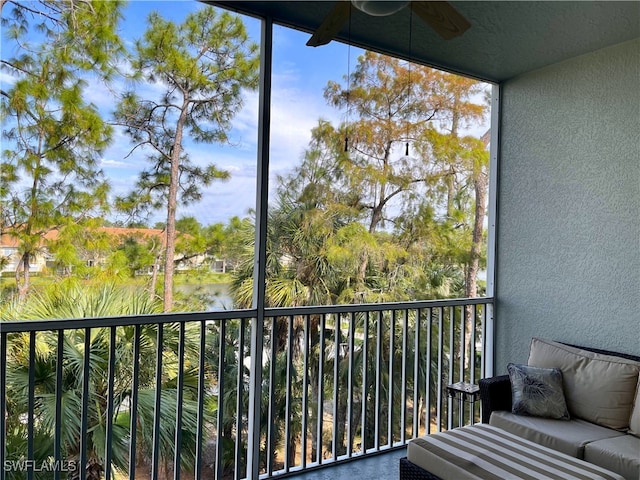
(193, 277)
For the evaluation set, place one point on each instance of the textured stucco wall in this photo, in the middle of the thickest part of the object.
(568, 242)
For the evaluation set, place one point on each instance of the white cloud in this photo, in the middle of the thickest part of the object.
(294, 113)
(224, 200)
(6, 79)
(106, 163)
(297, 103)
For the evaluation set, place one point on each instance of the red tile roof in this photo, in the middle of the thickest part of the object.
(8, 240)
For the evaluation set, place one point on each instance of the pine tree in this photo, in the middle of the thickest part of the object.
(203, 66)
(50, 173)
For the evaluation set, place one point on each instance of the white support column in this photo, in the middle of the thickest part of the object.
(494, 159)
(262, 196)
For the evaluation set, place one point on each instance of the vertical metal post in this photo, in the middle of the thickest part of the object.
(403, 409)
(239, 399)
(452, 359)
(288, 461)
(489, 341)
(474, 335)
(416, 379)
(483, 343)
(472, 363)
(427, 395)
(57, 435)
(463, 346)
(350, 420)
(365, 380)
(271, 427)
(31, 400)
(155, 453)
(3, 400)
(133, 402)
(109, 413)
(440, 359)
(492, 238)
(221, 393)
(85, 404)
(336, 384)
(320, 407)
(376, 442)
(262, 195)
(177, 452)
(392, 351)
(305, 392)
(201, 396)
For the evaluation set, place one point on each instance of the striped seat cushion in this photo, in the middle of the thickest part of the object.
(489, 453)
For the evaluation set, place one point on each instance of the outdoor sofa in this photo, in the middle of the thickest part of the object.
(594, 420)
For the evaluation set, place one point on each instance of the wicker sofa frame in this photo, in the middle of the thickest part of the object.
(495, 394)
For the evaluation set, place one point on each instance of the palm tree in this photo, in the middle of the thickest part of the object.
(75, 302)
(299, 272)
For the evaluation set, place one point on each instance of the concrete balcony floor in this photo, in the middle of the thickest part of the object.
(384, 466)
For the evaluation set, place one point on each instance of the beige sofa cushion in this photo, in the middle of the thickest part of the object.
(568, 437)
(481, 452)
(634, 423)
(598, 388)
(620, 455)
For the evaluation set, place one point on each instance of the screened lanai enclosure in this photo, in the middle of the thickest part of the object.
(229, 254)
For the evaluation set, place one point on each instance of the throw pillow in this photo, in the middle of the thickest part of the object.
(634, 423)
(537, 392)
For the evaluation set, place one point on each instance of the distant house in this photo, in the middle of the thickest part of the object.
(10, 256)
(122, 234)
(219, 266)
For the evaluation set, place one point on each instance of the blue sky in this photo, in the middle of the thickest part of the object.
(299, 75)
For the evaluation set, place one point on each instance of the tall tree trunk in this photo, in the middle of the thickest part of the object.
(22, 270)
(172, 204)
(154, 276)
(450, 177)
(93, 469)
(342, 407)
(471, 280)
(480, 180)
(480, 190)
(356, 415)
(450, 180)
(314, 373)
(154, 269)
(170, 248)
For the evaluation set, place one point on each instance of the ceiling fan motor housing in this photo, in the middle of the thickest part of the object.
(378, 8)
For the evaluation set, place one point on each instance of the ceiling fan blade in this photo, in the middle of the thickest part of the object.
(331, 24)
(442, 17)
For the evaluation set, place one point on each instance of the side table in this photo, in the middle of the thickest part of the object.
(464, 392)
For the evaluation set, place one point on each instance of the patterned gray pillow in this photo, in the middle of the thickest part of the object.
(537, 392)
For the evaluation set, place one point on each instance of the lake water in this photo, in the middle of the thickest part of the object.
(217, 292)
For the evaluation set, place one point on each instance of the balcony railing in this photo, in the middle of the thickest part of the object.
(169, 396)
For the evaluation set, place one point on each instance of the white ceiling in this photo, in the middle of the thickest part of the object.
(506, 38)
